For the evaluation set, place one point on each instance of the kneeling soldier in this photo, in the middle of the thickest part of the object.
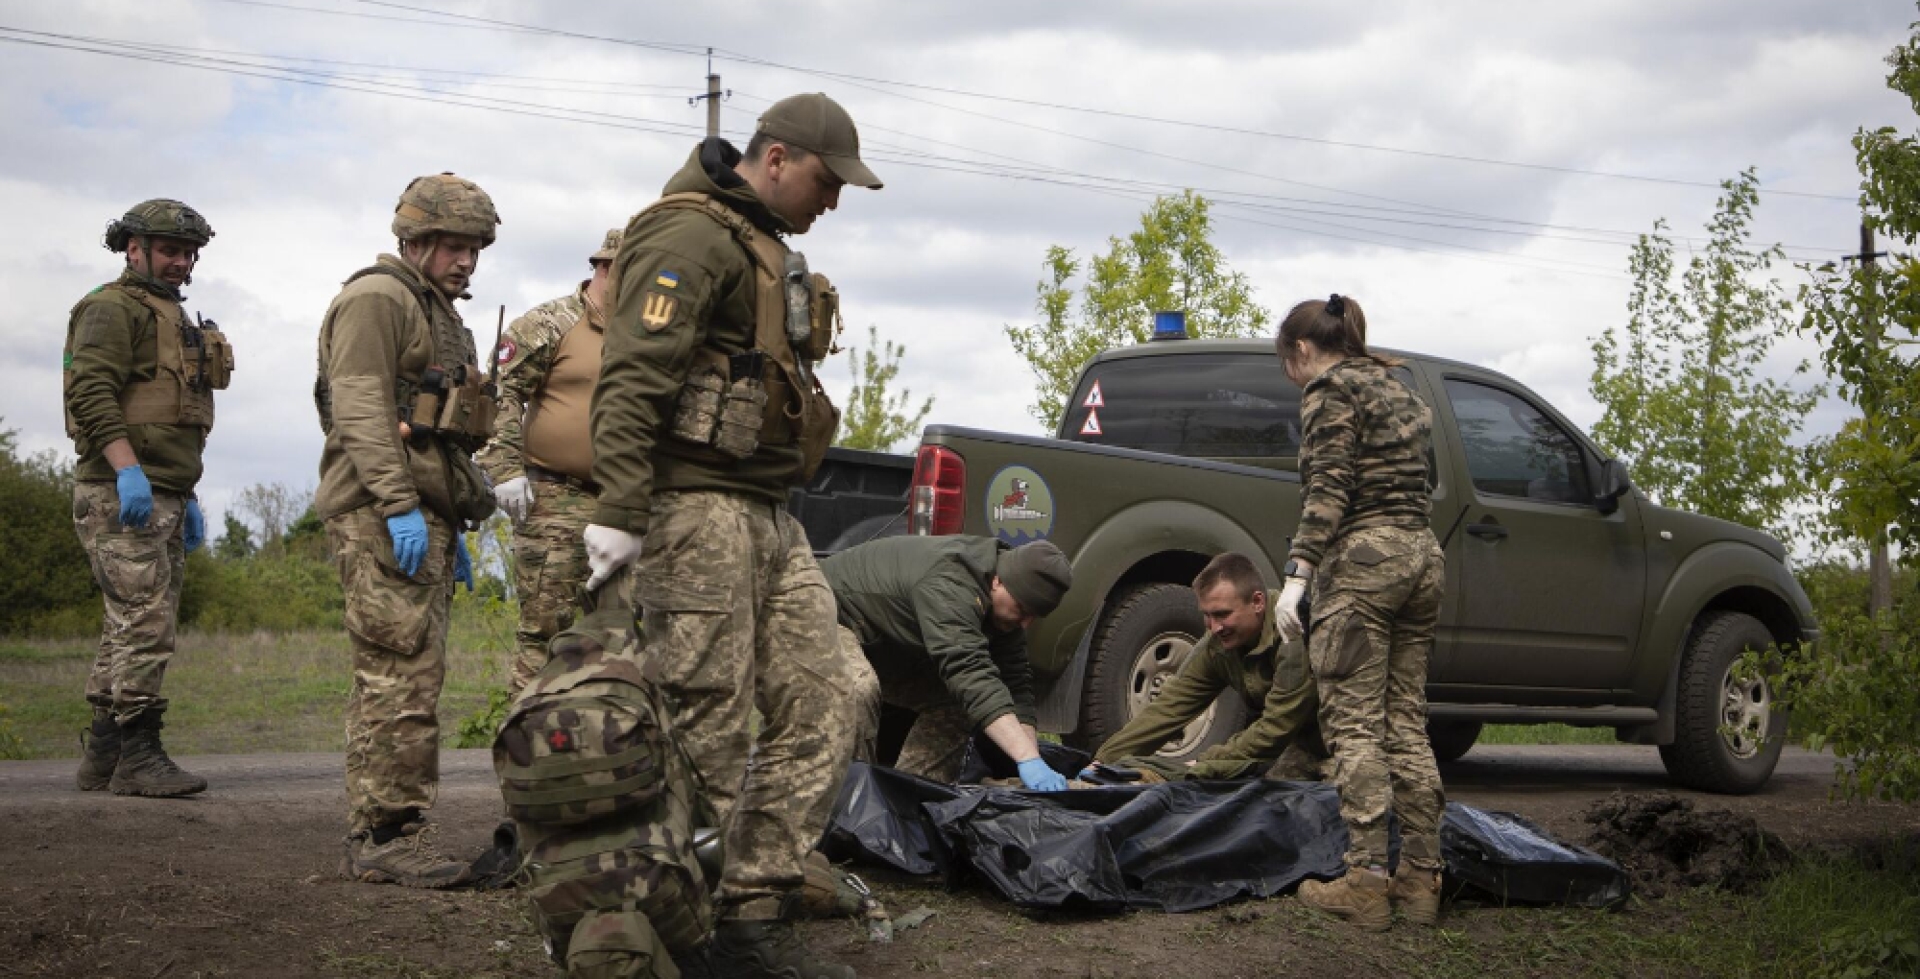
(1243, 652)
(403, 406)
(138, 386)
(943, 621)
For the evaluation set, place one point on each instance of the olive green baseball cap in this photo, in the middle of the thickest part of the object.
(819, 125)
(609, 246)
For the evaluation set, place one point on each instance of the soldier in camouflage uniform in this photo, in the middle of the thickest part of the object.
(138, 385)
(401, 401)
(1378, 576)
(943, 621)
(1243, 652)
(541, 455)
(708, 410)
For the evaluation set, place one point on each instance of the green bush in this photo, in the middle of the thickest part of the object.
(43, 569)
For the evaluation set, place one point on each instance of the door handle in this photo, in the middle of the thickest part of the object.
(1487, 531)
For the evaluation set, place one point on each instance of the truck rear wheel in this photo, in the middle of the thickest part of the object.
(1727, 730)
(1451, 739)
(1140, 647)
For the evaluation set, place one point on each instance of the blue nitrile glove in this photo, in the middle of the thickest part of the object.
(195, 530)
(1040, 778)
(409, 531)
(136, 497)
(462, 561)
(1087, 774)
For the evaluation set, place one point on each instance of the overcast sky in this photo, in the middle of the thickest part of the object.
(299, 178)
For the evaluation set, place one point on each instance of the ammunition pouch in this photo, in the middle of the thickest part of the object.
(454, 405)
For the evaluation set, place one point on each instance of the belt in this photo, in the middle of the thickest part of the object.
(540, 475)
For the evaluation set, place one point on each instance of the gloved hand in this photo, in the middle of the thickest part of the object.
(195, 528)
(462, 561)
(608, 550)
(515, 498)
(136, 497)
(1087, 774)
(1287, 616)
(409, 532)
(1035, 774)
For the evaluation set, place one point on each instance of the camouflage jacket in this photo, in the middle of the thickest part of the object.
(110, 343)
(1363, 460)
(525, 357)
(1272, 676)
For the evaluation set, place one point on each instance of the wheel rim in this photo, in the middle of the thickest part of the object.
(1746, 707)
(1157, 663)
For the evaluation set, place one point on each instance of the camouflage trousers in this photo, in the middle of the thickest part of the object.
(936, 744)
(550, 565)
(1376, 601)
(140, 573)
(736, 616)
(398, 627)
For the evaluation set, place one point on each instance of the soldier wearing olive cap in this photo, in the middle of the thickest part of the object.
(943, 622)
(138, 383)
(540, 458)
(402, 406)
(707, 411)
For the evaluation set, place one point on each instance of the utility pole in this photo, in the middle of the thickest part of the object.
(1879, 566)
(713, 97)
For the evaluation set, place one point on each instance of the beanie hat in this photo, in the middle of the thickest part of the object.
(1037, 575)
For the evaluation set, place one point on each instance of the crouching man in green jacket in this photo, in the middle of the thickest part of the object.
(1242, 652)
(943, 621)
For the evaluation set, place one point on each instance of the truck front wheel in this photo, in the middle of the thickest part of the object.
(1727, 730)
(1140, 647)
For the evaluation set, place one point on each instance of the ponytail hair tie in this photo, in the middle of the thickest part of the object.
(1336, 306)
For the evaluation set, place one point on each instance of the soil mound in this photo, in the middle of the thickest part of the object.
(1663, 842)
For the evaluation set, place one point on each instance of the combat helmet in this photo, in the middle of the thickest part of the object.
(447, 204)
(160, 217)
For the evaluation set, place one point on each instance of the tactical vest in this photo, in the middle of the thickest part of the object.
(769, 395)
(451, 399)
(191, 361)
(602, 793)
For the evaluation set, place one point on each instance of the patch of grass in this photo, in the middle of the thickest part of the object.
(1545, 734)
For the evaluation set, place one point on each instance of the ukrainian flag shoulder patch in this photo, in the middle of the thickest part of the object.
(667, 280)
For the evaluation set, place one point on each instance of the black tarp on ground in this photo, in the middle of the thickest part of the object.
(1178, 846)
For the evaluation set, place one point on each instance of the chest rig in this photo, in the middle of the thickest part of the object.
(191, 361)
(768, 395)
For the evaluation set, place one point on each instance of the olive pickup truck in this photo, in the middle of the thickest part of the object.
(1570, 597)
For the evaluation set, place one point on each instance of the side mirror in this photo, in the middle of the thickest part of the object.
(1614, 484)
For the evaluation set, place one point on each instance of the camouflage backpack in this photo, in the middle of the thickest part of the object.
(604, 800)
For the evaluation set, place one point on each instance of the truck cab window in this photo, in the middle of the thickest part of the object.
(1211, 406)
(1515, 450)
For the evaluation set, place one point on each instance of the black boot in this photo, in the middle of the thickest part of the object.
(770, 949)
(144, 767)
(99, 752)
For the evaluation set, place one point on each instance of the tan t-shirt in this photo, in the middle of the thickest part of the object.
(559, 427)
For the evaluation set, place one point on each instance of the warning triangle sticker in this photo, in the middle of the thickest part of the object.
(1092, 425)
(1094, 400)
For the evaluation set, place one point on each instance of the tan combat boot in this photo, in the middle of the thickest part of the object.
(1360, 897)
(409, 858)
(99, 752)
(144, 768)
(1417, 894)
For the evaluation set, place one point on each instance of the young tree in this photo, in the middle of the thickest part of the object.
(877, 417)
(236, 543)
(274, 508)
(1685, 402)
(1170, 263)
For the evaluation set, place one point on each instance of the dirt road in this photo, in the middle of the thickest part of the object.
(241, 881)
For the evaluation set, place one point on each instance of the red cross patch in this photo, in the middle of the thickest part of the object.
(560, 741)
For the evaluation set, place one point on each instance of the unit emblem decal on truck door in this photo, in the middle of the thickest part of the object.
(1019, 505)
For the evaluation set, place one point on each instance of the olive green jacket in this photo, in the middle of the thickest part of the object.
(375, 334)
(110, 344)
(923, 605)
(1272, 676)
(704, 280)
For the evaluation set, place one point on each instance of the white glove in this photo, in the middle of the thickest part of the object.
(515, 498)
(1287, 616)
(608, 550)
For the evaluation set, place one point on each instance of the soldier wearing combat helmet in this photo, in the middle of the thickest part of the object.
(707, 411)
(541, 455)
(403, 404)
(138, 383)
